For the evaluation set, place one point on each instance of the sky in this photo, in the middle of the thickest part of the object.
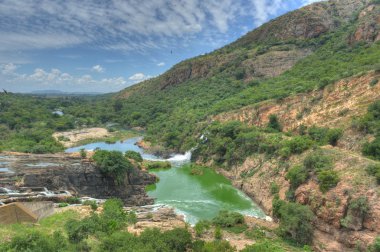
(105, 46)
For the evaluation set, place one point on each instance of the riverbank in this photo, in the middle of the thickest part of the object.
(79, 137)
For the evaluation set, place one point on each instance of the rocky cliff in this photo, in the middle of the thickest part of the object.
(338, 227)
(81, 177)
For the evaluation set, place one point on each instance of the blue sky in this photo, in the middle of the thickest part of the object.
(105, 46)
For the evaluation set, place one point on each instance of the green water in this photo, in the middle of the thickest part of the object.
(200, 196)
(195, 196)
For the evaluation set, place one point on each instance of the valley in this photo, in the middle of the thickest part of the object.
(270, 143)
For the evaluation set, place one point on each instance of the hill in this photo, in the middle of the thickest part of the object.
(290, 113)
(324, 43)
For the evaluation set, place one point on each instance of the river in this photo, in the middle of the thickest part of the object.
(195, 196)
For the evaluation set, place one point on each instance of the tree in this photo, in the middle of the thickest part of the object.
(274, 123)
(112, 163)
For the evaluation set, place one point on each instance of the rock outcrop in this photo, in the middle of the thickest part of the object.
(79, 176)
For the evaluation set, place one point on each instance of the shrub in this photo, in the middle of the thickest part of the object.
(325, 135)
(91, 203)
(218, 235)
(317, 161)
(375, 247)
(274, 123)
(133, 155)
(178, 239)
(63, 204)
(263, 246)
(374, 170)
(297, 176)
(158, 165)
(298, 144)
(77, 231)
(34, 241)
(373, 82)
(73, 200)
(359, 205)
(201, 227)
(372, 149)
(327, 180)
(214, 246)
(295, 223)
(274, 188)
(83, 153)
(333, 135)
(276, 206)
(227, 219)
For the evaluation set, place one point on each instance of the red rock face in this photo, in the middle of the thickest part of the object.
(369, 25)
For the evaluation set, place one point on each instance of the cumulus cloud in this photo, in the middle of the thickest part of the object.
(139, 77)
(8, 69)
(56, 79)
(161, 64)
(97, 68)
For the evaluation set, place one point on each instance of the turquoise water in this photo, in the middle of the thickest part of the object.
(195, 196)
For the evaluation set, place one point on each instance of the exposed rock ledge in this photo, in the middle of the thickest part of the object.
(81, 177)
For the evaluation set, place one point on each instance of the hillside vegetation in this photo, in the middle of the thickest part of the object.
(270, 63)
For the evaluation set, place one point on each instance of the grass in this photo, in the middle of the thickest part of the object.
(49, 225)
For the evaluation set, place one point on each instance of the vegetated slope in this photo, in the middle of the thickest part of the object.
(328, 162)
(28, 122)
(326, 42)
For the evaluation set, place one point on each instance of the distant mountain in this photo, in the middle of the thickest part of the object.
(62, 93)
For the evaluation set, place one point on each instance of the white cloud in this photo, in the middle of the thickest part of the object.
(139, 77)
(123, 25)
(98, 69)
(161, 64)
(56, 79)
(8, 69)
(306, 2)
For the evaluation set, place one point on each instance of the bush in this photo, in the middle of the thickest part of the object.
(227, 219)
(113, 164)
(297, 176)
(298, 144)
(375, 247)
(201, 227)
(333, 135)
(133, 155)
(276, 206)
(63, 204)
(263, 246)
(158, 165)
(83, 153)
(327, 180)
(218, 235)
(33, 241)
(73, 200)
(274, 123)
(373, 82)
(295, 223)
(274, 188)
(372, 149)
(214, 246)
(374, 170)
(178, 239)
(325, 135)
(359, 205)
(317, 161)
(91, 203)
